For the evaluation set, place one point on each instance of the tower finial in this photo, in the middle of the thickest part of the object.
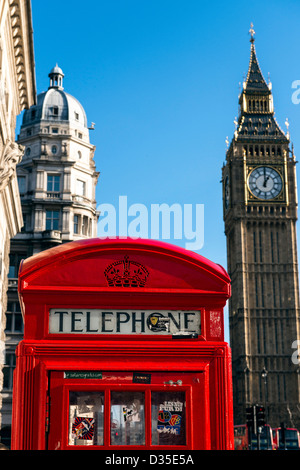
(252, 33)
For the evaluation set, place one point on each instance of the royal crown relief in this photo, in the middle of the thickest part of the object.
(126, 273)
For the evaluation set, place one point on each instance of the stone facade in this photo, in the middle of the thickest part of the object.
(260, 214)
(57, 182)
(17, 92)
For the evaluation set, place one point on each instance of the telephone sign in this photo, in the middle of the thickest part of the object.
(148, 322)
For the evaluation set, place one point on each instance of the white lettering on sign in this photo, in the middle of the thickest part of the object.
(126, 322)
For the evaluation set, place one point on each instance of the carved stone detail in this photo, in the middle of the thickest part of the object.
(12, 154)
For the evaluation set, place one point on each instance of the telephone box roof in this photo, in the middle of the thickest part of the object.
(105, 263)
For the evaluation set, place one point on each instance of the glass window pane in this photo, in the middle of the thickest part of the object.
(52, 220)
(86, 425)
(49, 182)
(8, 327)
(18, 322)
(168, 418)
(127, 418)
(56, 183)
(22, 184)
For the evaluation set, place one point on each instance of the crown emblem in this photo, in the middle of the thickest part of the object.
(126, 273)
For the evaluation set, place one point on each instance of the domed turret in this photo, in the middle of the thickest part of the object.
(57, 174)
(56, 105)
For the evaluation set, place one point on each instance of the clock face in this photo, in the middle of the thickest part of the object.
(265, 183)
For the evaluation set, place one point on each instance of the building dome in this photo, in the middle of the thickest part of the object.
(55, 104)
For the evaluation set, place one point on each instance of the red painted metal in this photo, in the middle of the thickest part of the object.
(81, 275)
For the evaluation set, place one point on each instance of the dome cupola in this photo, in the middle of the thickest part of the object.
(56, 76)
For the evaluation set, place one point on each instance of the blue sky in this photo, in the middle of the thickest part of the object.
(161, 81)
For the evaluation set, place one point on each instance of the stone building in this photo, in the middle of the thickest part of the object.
(57, 183)
(260, 214)
(17, 92)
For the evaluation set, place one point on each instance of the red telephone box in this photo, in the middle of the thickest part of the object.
(123, 349)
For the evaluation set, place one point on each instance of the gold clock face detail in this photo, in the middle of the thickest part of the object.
(265, 183)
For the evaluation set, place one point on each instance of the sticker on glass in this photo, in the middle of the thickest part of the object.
(83, 428)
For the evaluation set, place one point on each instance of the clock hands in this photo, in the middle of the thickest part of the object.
(265, 181)
(265, 178)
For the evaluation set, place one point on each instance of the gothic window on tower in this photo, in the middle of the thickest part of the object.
(52, 220)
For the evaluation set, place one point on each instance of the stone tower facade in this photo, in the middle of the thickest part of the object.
(57, 182)
(260, 214)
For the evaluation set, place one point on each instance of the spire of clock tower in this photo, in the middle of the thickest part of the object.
(255, 81)
(256, 118)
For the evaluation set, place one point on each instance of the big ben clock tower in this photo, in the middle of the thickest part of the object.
(260, 214)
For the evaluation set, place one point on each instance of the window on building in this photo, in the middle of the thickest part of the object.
(27, 222)
(76, 116)
(85, 225)
(22, 184)
(52, 220)
(79, 135)
(53, 183)
(55, 110)
(76, 223)
(54, 130)
(54, 149)
(14, 263)
(14, 320)
(80, 188)
(8, 370)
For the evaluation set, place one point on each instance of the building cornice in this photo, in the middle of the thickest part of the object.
(23, 52)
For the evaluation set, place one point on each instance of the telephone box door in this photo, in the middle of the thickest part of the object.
(127, 410)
